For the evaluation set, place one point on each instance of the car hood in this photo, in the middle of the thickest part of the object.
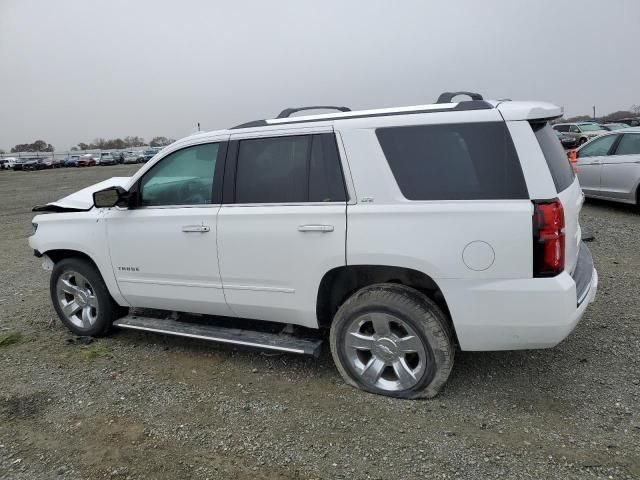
(82, 200)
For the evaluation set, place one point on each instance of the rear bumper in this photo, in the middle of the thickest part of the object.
(522, 313)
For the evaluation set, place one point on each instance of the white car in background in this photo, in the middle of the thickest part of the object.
(404, 232)
(9, 163)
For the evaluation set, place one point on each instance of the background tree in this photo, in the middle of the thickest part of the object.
(161, 141)
(37, 146)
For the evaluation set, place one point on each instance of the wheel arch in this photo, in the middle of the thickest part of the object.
(58, 254)
(339, 283)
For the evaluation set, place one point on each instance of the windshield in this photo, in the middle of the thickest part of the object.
(590, 127)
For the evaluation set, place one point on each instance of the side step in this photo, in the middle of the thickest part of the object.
(282, 342)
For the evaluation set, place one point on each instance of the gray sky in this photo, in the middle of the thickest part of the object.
(74, 70)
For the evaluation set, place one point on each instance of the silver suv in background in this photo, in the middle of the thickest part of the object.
(582, 131)
(609, 166)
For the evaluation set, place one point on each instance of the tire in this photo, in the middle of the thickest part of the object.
(360, 342)
(582, 141)
(77, 280)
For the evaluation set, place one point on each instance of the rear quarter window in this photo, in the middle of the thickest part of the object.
(554, 154)
(465, 161)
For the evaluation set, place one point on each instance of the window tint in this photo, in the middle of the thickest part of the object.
(454, 161)
(629, 144)
(184, 177)
(598, 147)
(294, 169)
(326, 183)
(273, 170)
(557, 161)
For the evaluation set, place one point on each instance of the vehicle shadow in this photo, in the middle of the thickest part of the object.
(615, 206)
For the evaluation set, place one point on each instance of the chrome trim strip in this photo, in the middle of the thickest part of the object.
(214, 339)
(169, 282)
(259, 289)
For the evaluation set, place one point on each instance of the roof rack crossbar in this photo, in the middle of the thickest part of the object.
(287, 112)
(446, 97)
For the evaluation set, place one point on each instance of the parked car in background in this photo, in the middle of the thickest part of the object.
(53, 163)
(148, 154)
(34, 163)
(87, 160)
(118, 156)
(609, 166)
(582, 131)
(8, 163)
(130, 157)
(72, 161)
(106, 158)
(632, 122)
(566, 140)
(440, 252)
(19, 163)
(614, 126)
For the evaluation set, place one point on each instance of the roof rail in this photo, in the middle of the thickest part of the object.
(446, 97)
(287, 112)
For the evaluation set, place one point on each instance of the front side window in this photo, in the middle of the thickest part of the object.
(462, 161)
(629, 144)
(598, 147)
(184, 177)
(574, 129)
(294, 169)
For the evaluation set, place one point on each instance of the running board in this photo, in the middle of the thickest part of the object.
(282, 342)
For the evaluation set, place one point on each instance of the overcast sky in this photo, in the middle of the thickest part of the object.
(74, 70)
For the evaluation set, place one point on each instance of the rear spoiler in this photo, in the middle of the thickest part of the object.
(531, 111)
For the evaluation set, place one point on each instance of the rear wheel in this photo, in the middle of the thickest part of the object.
(392, 340)
(81, 298)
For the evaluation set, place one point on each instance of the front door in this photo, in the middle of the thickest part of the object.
(163, 250)
(283, 226)
(590, 158)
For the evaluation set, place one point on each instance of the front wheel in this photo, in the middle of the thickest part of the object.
(392, 340)
(582, 141)
(81, 298)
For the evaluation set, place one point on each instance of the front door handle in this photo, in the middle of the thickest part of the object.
(315, 228)
(195, 229)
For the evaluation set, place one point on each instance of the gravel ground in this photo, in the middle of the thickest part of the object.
(137, 405)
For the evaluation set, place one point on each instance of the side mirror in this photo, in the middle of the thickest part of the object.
(110, 197)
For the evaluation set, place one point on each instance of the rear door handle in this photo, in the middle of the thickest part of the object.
(195, 229)
(315, 228)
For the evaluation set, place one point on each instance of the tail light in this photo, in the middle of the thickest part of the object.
(548, 238)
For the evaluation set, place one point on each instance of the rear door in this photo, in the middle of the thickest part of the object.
(621, 169)
(590, 160)
(282, 224)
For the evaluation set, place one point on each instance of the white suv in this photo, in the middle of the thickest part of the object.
(406, 232)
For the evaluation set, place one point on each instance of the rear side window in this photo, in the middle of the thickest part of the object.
(554, 154)
(629, 144)
(466, 161)
(294, 169)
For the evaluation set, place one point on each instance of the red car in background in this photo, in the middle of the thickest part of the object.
(87, 160)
